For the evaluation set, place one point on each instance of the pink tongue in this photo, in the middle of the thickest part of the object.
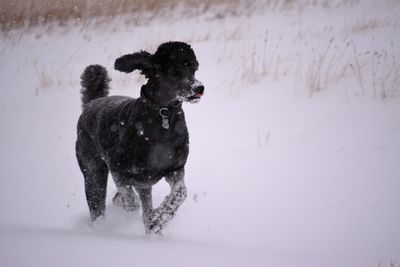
(198, 95)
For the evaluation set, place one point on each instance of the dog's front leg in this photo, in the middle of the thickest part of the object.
(157, 218)
(166, 211)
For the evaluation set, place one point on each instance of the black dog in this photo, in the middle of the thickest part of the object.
(142, 140)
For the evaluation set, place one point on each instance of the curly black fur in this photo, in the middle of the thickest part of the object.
(135, 61)
(142, 140)
(95, 83)
(172, 56)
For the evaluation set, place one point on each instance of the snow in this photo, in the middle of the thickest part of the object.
(293, 156)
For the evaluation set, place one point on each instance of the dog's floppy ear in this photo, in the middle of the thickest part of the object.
(136, 61)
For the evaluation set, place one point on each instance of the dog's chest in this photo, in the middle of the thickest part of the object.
(146, 149)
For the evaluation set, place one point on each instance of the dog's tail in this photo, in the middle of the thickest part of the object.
(95, 83)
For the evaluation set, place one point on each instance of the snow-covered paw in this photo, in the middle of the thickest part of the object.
(129, 203)
(152, 222)
(155, 221)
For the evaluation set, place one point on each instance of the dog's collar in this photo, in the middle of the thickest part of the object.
(176, 104)
(166, 112)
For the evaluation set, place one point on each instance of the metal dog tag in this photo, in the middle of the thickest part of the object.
(165, 121)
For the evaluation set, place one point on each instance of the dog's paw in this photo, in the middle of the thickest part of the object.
(156, 219)
(152, 222)
(129, 204)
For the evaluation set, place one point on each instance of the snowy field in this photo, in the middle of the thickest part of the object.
(294, 147)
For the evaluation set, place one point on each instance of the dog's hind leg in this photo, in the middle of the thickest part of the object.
(95, 172)
(126, 198)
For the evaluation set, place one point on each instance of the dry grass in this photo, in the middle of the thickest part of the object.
(27, 13)
(393, 263)
(20, 13)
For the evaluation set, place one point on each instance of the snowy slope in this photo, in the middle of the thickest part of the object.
(294, 147)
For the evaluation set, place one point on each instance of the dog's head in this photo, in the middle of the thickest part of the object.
(171, 69)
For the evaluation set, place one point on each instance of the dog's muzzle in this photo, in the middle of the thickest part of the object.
(198, 91)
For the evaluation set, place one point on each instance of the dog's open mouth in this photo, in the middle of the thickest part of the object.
(195, 98)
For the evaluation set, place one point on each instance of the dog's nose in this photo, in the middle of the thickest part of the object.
(199, 90)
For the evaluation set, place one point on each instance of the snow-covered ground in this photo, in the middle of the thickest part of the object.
(294, 147)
